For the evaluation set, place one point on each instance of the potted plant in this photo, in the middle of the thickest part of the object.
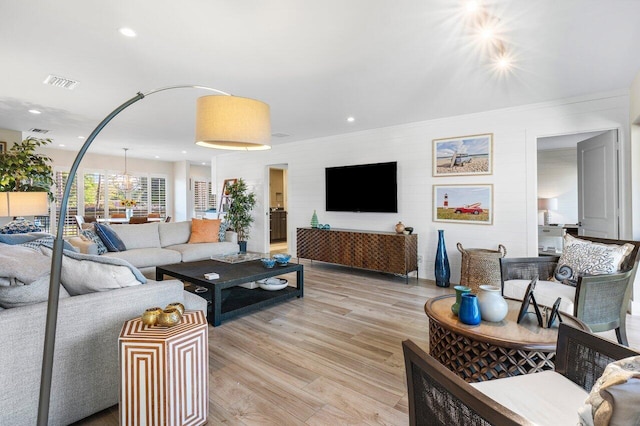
(22, 170)
(239, 213)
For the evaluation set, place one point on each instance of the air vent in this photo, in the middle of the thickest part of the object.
(65, 83)
(41, 131)
(280, 135)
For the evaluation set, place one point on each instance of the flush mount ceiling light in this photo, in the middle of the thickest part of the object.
(351, 119)
(35, 111)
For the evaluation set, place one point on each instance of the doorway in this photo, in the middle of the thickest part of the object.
(559, 185)
(278, 211)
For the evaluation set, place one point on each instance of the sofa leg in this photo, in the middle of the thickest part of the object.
(621, 334)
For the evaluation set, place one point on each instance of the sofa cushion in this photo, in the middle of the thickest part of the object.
(584, 257)
(143, 235)
(205, 231)
(145, 257)
(22, 295)
(109, 237)
(546, 398)
(202, 251)
(615, 396)
(546, 293)
(84, 273)
(93, 237)
(174, 233)
(22, 238)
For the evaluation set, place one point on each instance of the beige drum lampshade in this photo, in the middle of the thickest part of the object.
(23, 203)
(231, 122)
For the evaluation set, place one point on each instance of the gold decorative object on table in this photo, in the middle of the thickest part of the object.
(169, 317)
(150, 316)
(179, 306)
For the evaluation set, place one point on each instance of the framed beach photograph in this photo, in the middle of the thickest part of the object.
(463, 204)
(463, 155)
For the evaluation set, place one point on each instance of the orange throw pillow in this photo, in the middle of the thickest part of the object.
(204, 230)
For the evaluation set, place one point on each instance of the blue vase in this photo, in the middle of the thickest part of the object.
(469, 312)
(442, 269)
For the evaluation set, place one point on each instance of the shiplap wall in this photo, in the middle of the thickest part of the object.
(514, 175)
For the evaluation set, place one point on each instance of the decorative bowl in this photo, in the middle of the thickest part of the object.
(179, 306)
(282, 258)
(268, 263)
(150, 316)
(169, 317)
(272, 284)
(409, 228)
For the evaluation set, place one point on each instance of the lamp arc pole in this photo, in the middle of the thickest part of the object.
(58, 244)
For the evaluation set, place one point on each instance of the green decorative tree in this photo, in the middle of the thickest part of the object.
(22, 170)
(239, 214)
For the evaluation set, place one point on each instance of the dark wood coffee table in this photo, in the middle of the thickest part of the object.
(229, 300)
(492, 350)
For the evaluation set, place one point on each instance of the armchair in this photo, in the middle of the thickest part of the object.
(601, 301)
(438, 397)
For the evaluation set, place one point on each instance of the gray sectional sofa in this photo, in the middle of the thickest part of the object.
(156, 244)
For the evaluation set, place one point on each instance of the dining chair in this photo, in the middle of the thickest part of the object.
(138, 220)
(118, 216)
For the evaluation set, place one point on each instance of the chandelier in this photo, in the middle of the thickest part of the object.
(126, 182)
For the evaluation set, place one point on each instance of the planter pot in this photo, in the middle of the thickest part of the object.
(493, 307)
(243, 246)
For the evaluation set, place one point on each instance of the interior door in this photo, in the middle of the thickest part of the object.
(598, 186)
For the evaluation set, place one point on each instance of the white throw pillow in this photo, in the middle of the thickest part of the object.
(21, 295)
(82, 274)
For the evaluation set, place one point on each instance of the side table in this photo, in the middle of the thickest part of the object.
(164, 372)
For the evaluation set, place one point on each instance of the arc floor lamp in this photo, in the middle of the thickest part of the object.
(223, 121)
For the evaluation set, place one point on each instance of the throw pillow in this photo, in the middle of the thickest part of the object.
(222, 234)
(19, 226)
(22, 295)
(109, 237)
(92, 236)
(12, 265)
(615, 396)
(205, 231)
(84, 273)
(583, 257)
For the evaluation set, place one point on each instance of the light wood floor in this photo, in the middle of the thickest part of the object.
(333, 357)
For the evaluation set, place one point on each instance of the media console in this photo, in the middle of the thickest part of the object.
(378, 251)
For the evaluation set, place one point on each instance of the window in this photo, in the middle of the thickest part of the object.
(203, 199)
(70, 227)
(158, 195)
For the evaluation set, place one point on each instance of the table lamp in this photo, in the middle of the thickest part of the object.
(547, 204)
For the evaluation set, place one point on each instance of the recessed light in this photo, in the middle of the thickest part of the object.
(351, 119)
(61, 145)
(204, 164)
(81, 137)
(157, 156)
(34, 111)
(127, 32)
(184, 152)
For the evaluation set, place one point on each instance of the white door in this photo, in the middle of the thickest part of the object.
(598, 186)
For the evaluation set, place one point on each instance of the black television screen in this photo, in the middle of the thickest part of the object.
(362, 188)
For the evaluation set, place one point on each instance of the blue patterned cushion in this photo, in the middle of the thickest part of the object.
(223, 229)
(19, 226)
(109, 237)
(91, 235)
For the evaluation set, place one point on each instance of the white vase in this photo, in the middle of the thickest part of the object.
(129, 213)
(493, 307)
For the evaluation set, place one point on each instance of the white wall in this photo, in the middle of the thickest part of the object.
(514, 174)
(558, 178)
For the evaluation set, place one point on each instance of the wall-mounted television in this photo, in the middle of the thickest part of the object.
(362, 188)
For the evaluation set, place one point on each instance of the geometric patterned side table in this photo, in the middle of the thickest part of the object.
(164, 372)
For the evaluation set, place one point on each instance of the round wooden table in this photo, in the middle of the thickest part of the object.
(491, 350)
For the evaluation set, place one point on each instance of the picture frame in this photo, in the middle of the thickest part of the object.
(463, 155)
(555, 313)
(471, 204)
(3, 147)
(529, 299)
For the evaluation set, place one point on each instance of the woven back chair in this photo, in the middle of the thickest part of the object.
(138, 219)
(601, 301)
(437, 396)
(118, 216)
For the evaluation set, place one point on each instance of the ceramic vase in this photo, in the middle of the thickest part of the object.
(493, 307)
(469, 312)
(128, 213)
(314, 220)
(460, 290)
(442, 269)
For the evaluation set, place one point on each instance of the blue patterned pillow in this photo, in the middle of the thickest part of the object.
(223, 230)
(19, 226)
(91, 235)
(110, 238)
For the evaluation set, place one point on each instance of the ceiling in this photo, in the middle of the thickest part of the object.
(314, 62)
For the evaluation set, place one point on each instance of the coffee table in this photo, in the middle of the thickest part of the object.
(228, 299)
(492, 350)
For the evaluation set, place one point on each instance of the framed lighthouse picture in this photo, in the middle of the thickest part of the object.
(471, 204)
